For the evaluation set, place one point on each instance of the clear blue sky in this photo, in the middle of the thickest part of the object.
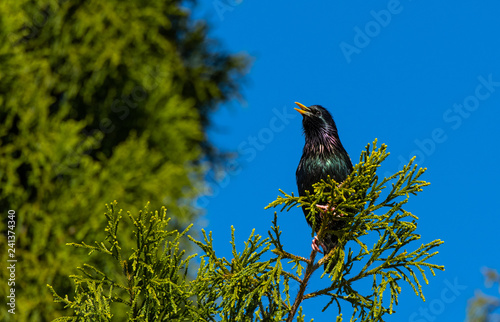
(421, 76)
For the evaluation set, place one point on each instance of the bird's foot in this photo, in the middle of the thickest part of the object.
(316, 243)
(325, 208)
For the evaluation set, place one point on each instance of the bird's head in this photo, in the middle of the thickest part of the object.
(317, 121)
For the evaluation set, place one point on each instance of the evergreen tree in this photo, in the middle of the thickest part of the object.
(256, 283)
(483, 307)
(99, 100)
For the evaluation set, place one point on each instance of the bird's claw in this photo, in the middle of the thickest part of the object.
(316, 243)
(323, 207)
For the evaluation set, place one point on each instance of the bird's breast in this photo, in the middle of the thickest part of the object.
(316, 167)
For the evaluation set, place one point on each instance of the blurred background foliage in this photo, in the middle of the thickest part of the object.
(485, 307)
(100, 100)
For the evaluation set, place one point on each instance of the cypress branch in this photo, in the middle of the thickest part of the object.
(358, 201)
(255, 284)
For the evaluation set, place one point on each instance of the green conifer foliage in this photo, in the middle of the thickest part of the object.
(258, 283)
(368, 210)
(484, 307)
(99, 100)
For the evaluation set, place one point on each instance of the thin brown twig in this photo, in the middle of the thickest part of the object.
(303, 284)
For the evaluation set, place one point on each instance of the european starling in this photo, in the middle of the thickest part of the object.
(323, 156)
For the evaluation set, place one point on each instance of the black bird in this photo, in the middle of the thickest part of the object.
(323, 156)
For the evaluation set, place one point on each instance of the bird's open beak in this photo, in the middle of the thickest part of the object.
(303, 109)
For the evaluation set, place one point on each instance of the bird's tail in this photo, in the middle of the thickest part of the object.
(330, 242)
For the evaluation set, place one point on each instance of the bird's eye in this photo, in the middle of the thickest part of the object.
(318, 112)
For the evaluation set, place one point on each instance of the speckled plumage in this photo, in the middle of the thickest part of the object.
(323, 155)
